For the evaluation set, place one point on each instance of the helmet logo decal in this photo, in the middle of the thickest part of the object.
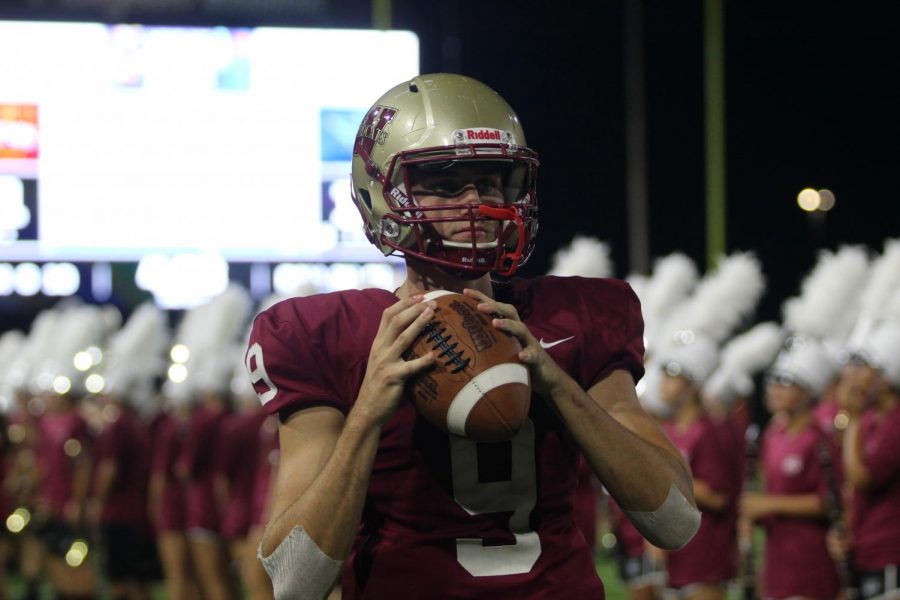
(374, 128)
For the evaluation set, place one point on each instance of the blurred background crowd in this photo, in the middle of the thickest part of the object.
(168, 168)
(137, 458)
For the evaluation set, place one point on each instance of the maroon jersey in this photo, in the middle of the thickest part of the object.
(238, 447)
(125, 441)
(711, 556)
(631, 542)
(825, 412)
(584, 504)
(62, 441)
(266, 464)
(875, 523)
(731, 431)
(797, 562)
(166, 448)
(197, 461)
(442, 512)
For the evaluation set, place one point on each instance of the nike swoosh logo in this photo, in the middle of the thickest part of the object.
(546, 345)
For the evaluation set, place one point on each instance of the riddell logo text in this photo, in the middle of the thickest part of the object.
(483, 134)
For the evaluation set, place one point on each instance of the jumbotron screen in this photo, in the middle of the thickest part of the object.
(119, 141)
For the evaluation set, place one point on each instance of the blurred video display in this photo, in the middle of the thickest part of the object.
(119, 141)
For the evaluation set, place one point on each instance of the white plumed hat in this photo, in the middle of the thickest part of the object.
(875, 300)
(741, 358)
(11, 344)
(881, 350)
(673, 278)
(209, 332)
(808, 363)
(583, 257)
(827, 304)
(724, 298)
(692, 356)
(135, 356)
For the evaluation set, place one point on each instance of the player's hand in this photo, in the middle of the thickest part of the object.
(546, 375)
(387, 370)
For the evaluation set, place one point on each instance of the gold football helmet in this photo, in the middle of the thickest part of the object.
(441, 123)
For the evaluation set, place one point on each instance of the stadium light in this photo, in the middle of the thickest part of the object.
(809, 199)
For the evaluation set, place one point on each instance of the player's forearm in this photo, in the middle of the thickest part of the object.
(619, 457)
(329, 509)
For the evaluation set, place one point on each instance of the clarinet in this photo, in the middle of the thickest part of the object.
(834, 510)
(745, 543)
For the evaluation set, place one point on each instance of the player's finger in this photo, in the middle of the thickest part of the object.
(401, 320)
(489, 306)
(397, 307)
(475, 294)
(411, 367)
(412, 330)
(518, 329)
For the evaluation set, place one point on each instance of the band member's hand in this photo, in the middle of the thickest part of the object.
(753, 506)
(545, 373)
(73, 512)
(837, 544)
(851, 396)
(93, 510)
(387, 370)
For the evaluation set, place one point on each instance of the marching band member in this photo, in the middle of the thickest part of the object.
(870, 394)
(794, 503)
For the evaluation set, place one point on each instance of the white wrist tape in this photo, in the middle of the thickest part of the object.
(670, 526)
(299, 569)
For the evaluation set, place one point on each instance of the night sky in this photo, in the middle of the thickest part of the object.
(811, 100)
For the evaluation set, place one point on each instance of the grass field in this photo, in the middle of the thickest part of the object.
(606, 568)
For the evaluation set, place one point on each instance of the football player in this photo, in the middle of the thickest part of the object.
(442, 174)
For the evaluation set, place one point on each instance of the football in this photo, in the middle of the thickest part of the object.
(478, 388)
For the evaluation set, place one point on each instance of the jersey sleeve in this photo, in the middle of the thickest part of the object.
(287, 364)
(614, 331)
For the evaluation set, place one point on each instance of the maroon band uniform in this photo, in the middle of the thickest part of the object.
(797, 562)
(711, 556)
